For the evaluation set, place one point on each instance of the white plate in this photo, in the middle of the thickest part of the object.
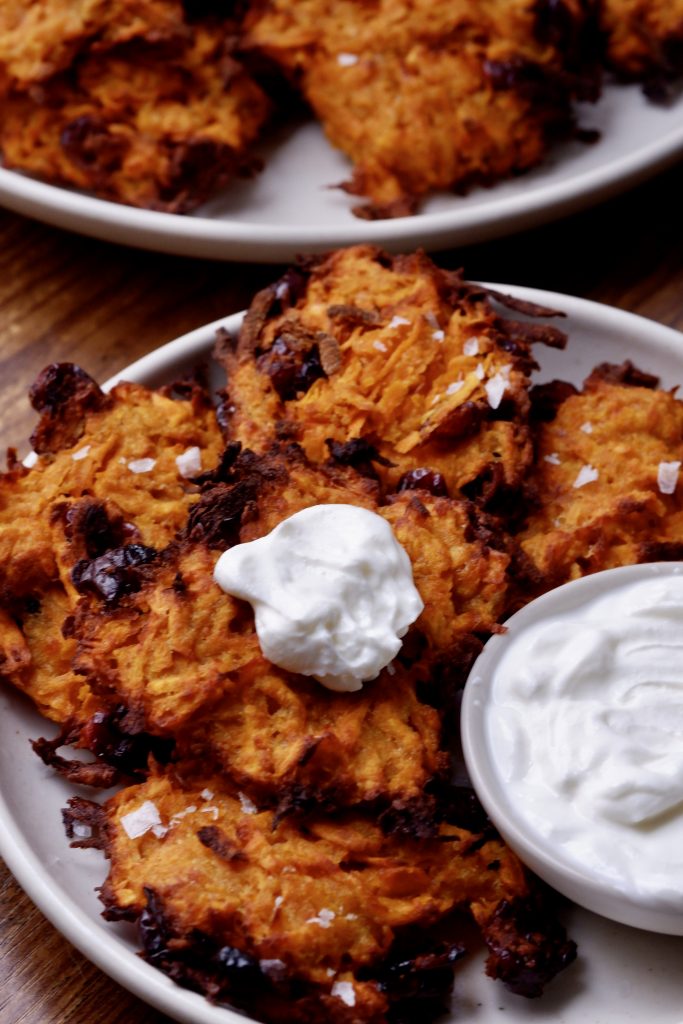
(623, 976)
(290, 207)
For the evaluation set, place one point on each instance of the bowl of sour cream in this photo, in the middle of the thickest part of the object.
(572, 730)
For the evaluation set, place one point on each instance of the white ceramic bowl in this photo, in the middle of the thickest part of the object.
(531, 832)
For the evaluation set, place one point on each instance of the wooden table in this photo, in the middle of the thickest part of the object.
(63, 297)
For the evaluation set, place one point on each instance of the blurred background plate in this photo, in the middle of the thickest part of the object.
(292, 208)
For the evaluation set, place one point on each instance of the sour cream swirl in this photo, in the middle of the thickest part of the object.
(332, 591)
(586, 721)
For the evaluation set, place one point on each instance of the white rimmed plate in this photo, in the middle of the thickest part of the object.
(623, 976)
(290, 208)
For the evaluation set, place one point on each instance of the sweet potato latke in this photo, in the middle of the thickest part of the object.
(391, 363)
(184, 656)
(325, 922)
(605, 478)
(106, 477)
(298, 852)
(429, 95)
(159, 127)
(158, 103)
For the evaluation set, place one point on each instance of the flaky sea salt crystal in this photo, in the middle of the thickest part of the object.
(206, 794)
(324, 918)
(667, 476)
(189, 462)
(398, 321)
(380, 346)
(82, 831)
(31, 459)
(453, 388)
(553, 459)
(248, 807)
(345, 991)
(141, 820)
(587, 475)
(587, 427)
(142, 465)
(495, 389)
(281, 290)
(279, 900)
(347, 60)
(436, 398)
(210, 810)
(437, 333)
(479, 371)
(276, 970)
(183, 814)
(82, 453)
(471, 347)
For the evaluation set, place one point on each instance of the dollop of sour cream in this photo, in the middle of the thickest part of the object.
(586, 724)
(332, 592)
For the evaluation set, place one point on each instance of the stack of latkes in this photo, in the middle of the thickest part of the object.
(294, 851)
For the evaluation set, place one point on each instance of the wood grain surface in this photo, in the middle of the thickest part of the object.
(63, 297)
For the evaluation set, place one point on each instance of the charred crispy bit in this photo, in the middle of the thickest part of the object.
(644, 39)
(116, 491)
(430, 377)
(83, 773)
(140, 124)
(112, 735)
(187, 656)
(429, 95)
(605, 478)
(63, 394)
(325, 908)
(85, 823)
(527, 945)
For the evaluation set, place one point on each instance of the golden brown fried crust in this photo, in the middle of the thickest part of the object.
(426, 95)
(98, 437)
(619, 433)
(185, 657)
(319, 903)
(289, 742)
(79, 501)
(394, 351)
(145, 125)
(644, 37)
(41, 37)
